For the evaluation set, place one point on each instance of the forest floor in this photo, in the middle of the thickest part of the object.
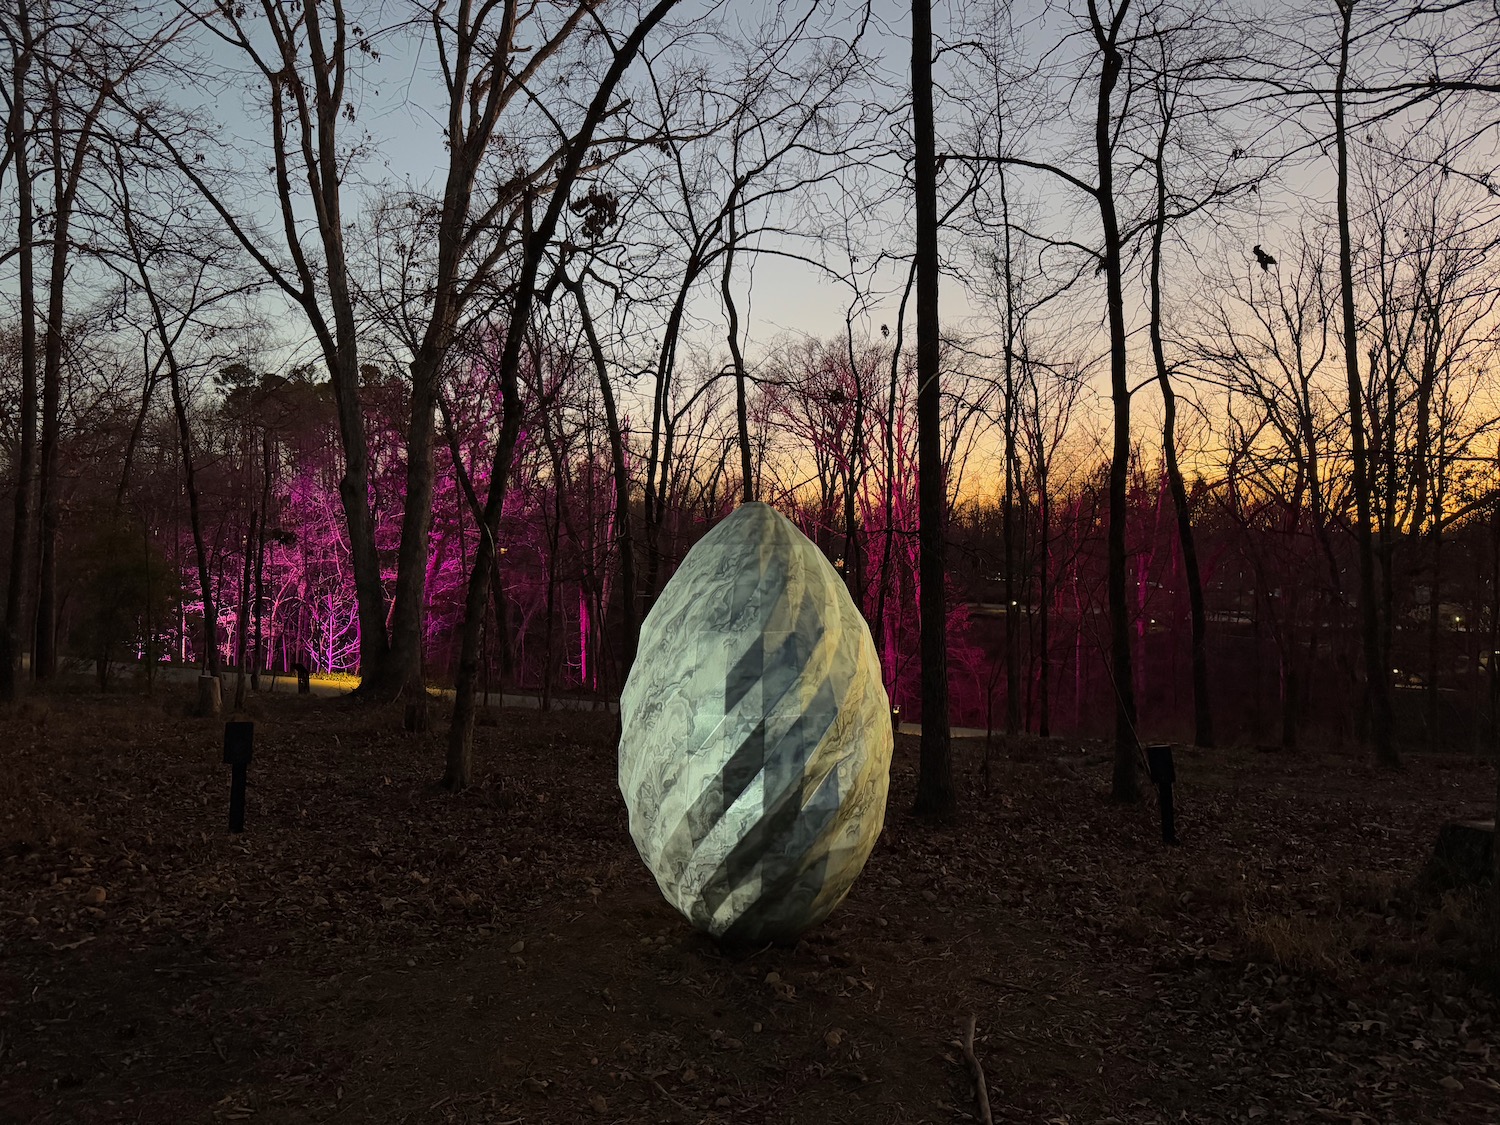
(371, 950)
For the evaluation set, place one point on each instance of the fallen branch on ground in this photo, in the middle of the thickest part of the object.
(981, 1092)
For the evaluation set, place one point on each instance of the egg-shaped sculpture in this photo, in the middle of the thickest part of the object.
(755, 742)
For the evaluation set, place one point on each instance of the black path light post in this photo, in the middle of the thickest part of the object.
(239, 740)
(1164, 776)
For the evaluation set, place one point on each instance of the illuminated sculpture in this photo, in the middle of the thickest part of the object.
(755, 738)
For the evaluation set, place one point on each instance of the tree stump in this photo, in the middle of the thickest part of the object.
(1463, 855)
(210, 699)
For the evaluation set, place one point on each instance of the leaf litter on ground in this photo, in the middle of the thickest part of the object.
(374, 949)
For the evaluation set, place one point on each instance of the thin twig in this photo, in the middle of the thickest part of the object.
(662, 1090)
(981, 1092)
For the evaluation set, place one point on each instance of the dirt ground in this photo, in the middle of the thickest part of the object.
(371, 950)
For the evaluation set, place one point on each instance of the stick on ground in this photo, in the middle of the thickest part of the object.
(981, 1092)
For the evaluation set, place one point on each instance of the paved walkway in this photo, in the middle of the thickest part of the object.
(332, 685)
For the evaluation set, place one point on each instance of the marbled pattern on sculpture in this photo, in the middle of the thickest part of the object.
(756, 733)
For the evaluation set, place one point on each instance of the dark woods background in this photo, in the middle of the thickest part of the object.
(1283, 643)
(269, 400)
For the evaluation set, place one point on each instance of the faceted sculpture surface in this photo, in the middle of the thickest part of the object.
(756, 734)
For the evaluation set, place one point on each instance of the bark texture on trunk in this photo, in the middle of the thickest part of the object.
(935, 793)
(1377, 686)
(1126, 784)
(17, 591)
(854, 475)
(44, 655)
(1008, 514)
(741, 396)
(403, 672)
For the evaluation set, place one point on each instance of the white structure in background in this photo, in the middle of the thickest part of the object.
(756, 734)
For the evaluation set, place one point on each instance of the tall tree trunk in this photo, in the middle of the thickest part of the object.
(1492, 635)
(1203, 729)
(554, 544)
(1008, 515)
(1471, 647)
(325, 175)
(1494, 682)
(1385, 453)
(127, 462)
(623, 538)
(1287, 653)
(741, 399)
(890, 465)
(659, 452)
(553, 547)
(459, 770)
(854, 476)
(17, 591)
(1377, 685)
(1126, 785)
(403, 670)
(195, 519)
(935, 793)
(1434, 627)
(354, 494)
(1044, 605)
(44, 659)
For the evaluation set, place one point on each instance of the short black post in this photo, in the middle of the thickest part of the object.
(239, 743)
(304, 678)
(1164, 776)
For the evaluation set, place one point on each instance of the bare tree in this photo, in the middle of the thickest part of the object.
(1051, 395)
(83, 58)
(745, 155)
(21, 46)
(1428, 321)
(624, 536)
(1175, 104)
(1377, 683)
(936, 797)
(537, 240)
(1270, 340)
(173, 252)
(302, 56)
(1106, 28)
(484, 72)
(1105, 33)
